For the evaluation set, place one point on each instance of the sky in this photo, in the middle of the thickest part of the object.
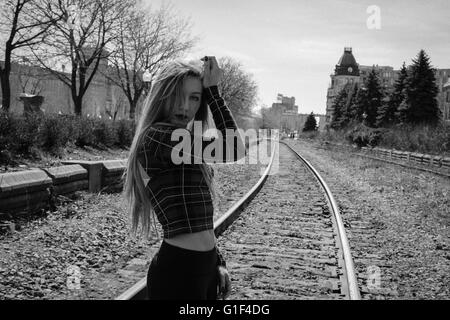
(292, 46)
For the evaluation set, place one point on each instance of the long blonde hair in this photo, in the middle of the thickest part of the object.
(166, 91)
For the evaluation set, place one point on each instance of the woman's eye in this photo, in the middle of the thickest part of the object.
(195, 98)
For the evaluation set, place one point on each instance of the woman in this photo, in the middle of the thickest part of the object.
(188, 264)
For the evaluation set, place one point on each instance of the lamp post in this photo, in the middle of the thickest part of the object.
(146, 78)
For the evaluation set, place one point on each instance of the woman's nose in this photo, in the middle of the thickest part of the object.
(185, 106)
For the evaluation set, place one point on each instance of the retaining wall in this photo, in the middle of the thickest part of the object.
(26, 192)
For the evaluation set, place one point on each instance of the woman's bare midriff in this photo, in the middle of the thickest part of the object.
(197, 241)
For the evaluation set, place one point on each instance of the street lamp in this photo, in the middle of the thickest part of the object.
(147, 78)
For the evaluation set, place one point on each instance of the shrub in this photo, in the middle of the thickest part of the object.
(24, 136)
(104, 133)
(330, 135)
(433, 139)
(54, 133)
(125, 132)
(24, 133)
(362, 135)
(5, 129)
(422, 138)
(68, 122)
(82, 131)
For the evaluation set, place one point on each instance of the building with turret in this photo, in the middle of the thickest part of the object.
(346, 72)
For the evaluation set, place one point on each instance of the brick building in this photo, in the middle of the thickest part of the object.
(102, 98)
(284, 115)
(443, 97)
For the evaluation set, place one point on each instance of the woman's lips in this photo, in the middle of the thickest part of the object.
(180, 120)
(181, 117)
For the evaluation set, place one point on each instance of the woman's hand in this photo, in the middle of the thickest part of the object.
(224, 283)
(212, 74)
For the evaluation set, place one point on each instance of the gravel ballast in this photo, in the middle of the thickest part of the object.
(397, 221)
(88, 239)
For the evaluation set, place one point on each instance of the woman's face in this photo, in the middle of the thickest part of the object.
(185, 112)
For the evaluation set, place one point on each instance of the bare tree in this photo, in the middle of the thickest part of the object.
(79, 40)
(20, 28)
(29, 78)
(114, 108)
(145, 40)
(237, 87)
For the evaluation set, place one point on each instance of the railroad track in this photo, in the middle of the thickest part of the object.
(288, 243)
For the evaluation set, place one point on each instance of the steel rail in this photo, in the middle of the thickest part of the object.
(139, 290)
(352, 282)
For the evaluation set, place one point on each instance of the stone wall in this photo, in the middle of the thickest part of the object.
(26, 192)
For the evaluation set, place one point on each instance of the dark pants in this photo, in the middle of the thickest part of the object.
(177, 273)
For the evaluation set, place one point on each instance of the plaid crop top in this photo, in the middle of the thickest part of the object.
(179, 193)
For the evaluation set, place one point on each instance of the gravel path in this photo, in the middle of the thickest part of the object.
(397, 221)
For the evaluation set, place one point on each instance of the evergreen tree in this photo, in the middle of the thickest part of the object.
(350, 111)
(311, 123)
(398, 96)
(421, 92)
(356, 108)
(389, 111)
(385, 114)
(403, 112)
(338, 107)
(373, 98)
